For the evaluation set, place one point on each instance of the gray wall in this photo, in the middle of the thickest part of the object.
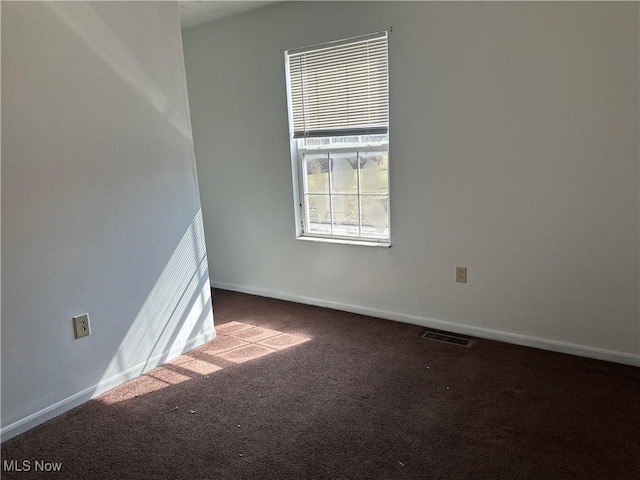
(513, 151)
(100, 203)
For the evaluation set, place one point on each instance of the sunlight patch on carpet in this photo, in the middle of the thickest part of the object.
(236, 343)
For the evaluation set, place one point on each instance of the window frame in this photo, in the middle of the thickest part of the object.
(298, 150)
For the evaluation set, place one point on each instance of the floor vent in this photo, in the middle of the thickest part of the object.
(452, 338)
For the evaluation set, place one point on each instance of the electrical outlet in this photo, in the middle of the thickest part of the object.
(81, 326)
(461, 274)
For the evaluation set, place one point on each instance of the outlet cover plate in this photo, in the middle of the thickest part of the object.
(461, 274)
(81, 326)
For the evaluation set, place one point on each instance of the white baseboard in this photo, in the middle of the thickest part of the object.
(490, 334)
(79, 398)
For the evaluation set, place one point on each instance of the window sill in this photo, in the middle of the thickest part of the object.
(342, 241)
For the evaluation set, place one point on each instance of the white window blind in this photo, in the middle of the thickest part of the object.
(340, 88)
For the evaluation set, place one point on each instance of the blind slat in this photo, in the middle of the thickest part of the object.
(341, 89)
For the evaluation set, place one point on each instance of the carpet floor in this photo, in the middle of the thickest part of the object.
(288, 391)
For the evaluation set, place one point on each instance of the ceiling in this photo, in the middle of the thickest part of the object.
(196, 12)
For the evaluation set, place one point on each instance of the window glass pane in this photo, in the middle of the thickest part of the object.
(316, 168)
(317, 142)
(374, 177)
(317, 207)
(374, 139)
(345, 215)
(375, 216)
(344, 176)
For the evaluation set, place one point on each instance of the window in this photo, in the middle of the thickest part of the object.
(339, 122)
